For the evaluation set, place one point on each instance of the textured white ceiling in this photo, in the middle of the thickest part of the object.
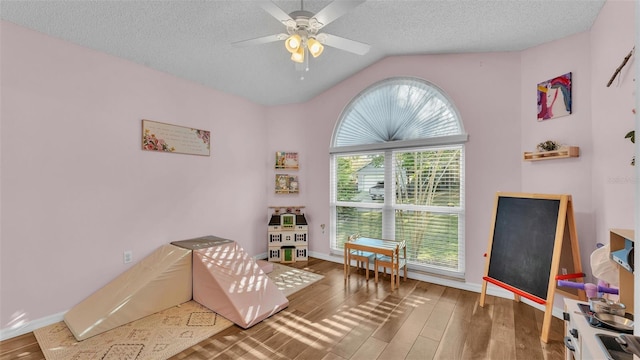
(193, 39)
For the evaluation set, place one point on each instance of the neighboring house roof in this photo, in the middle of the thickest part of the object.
(370, 169)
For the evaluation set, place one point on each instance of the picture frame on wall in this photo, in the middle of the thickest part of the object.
(163, 137)
(287, 160)
(554, 97)
(286, 184)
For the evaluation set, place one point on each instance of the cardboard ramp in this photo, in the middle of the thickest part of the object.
(231, 283)
(159, 281)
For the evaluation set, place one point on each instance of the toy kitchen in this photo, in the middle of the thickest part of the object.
(602, 327)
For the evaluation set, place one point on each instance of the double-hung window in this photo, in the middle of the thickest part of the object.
(397, 162)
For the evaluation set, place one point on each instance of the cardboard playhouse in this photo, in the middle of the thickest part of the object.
(215, 272)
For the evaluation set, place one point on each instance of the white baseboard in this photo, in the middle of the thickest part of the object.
(29, 326)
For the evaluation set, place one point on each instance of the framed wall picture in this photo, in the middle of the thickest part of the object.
(286, 184)
(554, 97)
(287, 160)
(157, 136)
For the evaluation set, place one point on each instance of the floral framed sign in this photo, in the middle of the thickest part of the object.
(554, 97)
(157, 136)
(287, 160)
(287, 184)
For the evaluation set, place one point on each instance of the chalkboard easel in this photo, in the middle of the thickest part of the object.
(533, 243)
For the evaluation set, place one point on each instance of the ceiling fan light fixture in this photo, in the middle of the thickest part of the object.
(298, 55)
(303, 36)
(315, 47)
(293, 43)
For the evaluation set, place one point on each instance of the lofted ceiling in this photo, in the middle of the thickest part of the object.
(193, 39)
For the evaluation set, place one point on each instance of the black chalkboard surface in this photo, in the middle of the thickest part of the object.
(523, 242)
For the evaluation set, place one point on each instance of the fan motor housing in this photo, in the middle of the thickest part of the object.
(303, 20)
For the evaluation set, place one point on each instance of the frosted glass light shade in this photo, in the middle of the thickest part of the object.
(298, 55)
(314, 46)
(293, 43)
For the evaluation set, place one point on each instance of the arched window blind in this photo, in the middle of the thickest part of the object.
(398, 109)
(398, 173)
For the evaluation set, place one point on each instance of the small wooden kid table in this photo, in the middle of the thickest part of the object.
(390, 248)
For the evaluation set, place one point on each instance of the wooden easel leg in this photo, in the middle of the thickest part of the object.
(483, 293)
(546, 323)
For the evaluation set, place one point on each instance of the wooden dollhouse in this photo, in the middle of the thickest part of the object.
(288, 235)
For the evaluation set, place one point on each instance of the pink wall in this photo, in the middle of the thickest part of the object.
(77, 190)
(614, 180)
(561, 176)
(601, 181)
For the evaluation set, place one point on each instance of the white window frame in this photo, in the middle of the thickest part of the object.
(389, 207)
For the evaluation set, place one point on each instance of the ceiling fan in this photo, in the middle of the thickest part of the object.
(303, 30)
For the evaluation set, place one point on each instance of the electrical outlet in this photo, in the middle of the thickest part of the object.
(128, 256)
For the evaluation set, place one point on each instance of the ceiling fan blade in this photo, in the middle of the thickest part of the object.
(275, 11)
(261, 40)
(336, 9)
(344, 44)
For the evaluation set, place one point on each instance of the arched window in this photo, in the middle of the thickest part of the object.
(397, 160)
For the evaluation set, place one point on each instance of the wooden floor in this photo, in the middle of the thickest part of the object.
(331, 321)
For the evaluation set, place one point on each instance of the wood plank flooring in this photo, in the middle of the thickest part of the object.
(361, 320)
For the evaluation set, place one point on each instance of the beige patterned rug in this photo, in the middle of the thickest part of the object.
(158, 336)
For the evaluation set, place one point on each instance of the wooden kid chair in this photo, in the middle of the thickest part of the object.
(400, 262)
(362, 258)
